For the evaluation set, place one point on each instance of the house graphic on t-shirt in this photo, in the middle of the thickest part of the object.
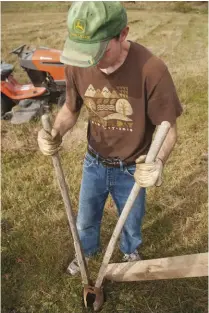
(110, 110)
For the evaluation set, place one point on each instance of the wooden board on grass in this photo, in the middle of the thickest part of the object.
(194, 265)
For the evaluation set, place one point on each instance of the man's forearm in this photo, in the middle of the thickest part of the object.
(65, 120)
(168, 144)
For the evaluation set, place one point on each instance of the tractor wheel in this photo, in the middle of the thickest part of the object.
(6, 105)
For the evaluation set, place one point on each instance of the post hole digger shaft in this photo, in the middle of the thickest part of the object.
(89, 291)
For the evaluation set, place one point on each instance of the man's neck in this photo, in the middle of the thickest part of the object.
(123, 55)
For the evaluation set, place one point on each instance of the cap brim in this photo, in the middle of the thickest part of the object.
(83, 54)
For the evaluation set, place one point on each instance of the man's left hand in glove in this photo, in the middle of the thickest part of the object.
(148, 174)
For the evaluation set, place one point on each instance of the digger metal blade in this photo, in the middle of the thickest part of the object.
(93, 297)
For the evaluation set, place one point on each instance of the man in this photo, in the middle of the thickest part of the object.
(128, 92)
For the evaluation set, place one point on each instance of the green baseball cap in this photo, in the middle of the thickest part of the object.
(91, 25)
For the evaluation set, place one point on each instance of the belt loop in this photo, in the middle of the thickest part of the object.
(97, 158)
(121, 165)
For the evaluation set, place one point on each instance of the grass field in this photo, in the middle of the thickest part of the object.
(36, 245)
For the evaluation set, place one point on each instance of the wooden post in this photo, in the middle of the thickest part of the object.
(194, 265)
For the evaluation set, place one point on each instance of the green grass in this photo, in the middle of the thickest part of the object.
(36, 244)
(35, 6)
(63, 6)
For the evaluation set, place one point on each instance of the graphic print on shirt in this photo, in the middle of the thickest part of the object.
(110, 110)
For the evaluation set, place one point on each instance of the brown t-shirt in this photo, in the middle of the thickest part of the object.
(125, 106)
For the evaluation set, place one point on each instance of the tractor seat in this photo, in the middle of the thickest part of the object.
(6, 70)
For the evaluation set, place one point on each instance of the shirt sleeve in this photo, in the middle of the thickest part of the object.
(73, 101)
(163, 103)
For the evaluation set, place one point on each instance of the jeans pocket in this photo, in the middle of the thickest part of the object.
(130, 170)
(89, 160)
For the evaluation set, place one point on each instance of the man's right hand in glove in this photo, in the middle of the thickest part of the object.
(49, 144)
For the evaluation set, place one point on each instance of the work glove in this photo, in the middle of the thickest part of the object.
(148, 174)
(48, 143)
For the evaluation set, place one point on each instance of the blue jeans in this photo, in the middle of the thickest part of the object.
(97, 182)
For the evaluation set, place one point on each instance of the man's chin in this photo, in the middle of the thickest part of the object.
(102, 66)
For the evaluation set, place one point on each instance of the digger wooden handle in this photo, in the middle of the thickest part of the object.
(64, 191)
(158, 141)
(153, 151)
(46, 123)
